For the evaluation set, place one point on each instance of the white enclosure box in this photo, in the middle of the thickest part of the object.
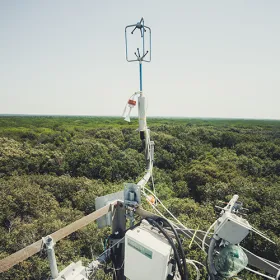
(232, 228)
(74, 271)
(146, 255)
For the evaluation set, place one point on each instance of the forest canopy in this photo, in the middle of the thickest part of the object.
(53, 168)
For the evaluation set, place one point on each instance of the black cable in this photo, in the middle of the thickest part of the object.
(210, 266)
(210, 275)
(176, 254)
(179, 244)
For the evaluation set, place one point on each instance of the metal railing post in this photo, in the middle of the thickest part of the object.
(49, 243)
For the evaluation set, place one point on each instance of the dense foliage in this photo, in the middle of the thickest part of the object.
(52, 168)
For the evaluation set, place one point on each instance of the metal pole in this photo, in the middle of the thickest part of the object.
(48, 241)
(118, 232)
(140, 73)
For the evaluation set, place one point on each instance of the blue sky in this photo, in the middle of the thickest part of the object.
(210, 58)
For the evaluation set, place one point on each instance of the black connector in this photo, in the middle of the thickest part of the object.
(142, 135)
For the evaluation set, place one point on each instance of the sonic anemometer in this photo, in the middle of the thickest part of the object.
(141, 54)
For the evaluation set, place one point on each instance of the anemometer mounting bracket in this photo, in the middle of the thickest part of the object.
(132, 195)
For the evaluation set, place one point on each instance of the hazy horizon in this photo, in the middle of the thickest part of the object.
(134, 117)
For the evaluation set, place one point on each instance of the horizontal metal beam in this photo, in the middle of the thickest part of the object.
(263, 264)
(25, 253)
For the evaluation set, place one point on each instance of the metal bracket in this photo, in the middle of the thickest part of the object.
(132, 195)
(132, 199)
(103, 201)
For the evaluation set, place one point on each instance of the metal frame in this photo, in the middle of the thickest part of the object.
(140, 56)
(143, 41)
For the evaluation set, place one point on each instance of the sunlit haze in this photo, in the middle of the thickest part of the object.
(209, 58)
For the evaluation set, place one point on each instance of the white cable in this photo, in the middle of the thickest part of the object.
(198, 263)
(206, 234)
(262, 235)
(156, 198)
(150, 169)
(159, 213)
(193, 262)
(165, 210)
(196, 268)
(184, 227)
(170, 214)
(261, 274)
(175, 225)
(143, 188)
(154, 189)
(151, 166)
(192, 234)
(149, 172)
(278, 275)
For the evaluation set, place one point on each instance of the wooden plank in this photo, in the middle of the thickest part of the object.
(25, 253)
(63, 232)
(19, 256)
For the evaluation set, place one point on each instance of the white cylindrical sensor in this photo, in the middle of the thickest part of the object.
(142, 112)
